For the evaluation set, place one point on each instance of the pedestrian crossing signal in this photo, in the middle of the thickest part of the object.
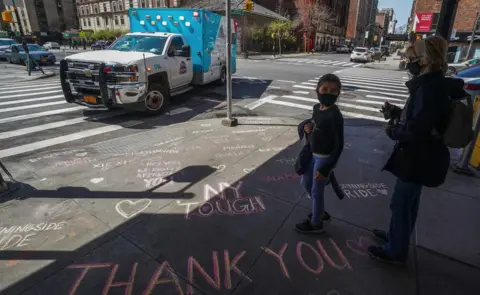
(248, 5)
(7, 17)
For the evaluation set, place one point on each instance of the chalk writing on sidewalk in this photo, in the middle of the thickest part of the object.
(104, 166)
(279, 177)
(228, 201)
(287, 161)
(364, 190)
(156, 173)
(81, 153)
(17, 236)
(313, 257)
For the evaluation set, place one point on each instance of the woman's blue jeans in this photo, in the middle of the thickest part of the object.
(316, 188)
(404, 206)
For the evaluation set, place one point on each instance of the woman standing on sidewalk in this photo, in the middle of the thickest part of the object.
(326, 144)
(420, 157)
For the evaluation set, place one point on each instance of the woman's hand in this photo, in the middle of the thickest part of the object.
(319, 176)
(308, 128)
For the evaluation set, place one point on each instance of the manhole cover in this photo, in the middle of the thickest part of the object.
(348, 95)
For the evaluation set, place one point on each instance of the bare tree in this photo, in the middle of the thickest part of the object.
(312, 16)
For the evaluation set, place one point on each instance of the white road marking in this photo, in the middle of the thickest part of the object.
(348, 64)
(58, 124)
(383, 79)
(308, 83)
(372, 102)
(384, 93)
(274, 87)
(356, 66)
(372, 87)
(28, 90)
(379, 82)
(32, 106)
(304, 87)
(178, 111)
(42, 114)
(384, 97)
(32, 86)
(286, 81)
(300, 92)
(259, 102)
(30, 100)
(300, 98)
(17, 150)
(22, 95)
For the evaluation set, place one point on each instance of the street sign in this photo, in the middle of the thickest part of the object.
(238, 12)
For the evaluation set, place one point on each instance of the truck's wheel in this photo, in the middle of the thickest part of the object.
(223, 77)
(156, 100)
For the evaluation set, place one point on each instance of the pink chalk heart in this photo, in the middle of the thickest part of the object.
(361, 245)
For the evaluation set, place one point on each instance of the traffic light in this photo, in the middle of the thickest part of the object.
(7, 17)
(248, 5)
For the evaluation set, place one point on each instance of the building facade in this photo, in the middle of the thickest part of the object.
(335, 32)
(111, 15)
(384, 18)
(465, 20)
(359, 16)
(24, 20)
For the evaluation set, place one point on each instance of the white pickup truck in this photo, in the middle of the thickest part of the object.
(144, 69)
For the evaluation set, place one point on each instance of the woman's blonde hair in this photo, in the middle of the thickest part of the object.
(432, 53)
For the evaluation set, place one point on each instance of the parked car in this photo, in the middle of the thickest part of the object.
(99, 45)
(16, 54)
(471, 77)
(342, 49)
(455, 68)
(4, 45)
(361, 54)
(51, 45)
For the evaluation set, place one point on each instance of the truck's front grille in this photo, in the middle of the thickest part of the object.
(84, 66)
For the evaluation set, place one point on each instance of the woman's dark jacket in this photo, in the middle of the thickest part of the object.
(420, 156)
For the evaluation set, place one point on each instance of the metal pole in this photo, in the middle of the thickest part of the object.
(230, 121)
(473, 35)
(446, 18)
(463, 166)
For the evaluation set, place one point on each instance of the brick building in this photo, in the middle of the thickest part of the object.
(359, 18)
(462, 27)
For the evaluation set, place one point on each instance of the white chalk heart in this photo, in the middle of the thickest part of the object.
(128, 209)
(206, 125)
(249, 170)
(81, 154)
(382, 191)
(267, 138)
(96, 180)
(220, 168)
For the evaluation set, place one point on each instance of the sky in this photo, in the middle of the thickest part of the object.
(401, 9)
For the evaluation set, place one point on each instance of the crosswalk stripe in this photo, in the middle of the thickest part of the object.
(37, 93)
(308, 83)
(362, 116)
(31, 86)
(28, 90)
(374, 102)
(300, 92)
(356, 66)
(348, 64)
(384, 97)
(304, 87)
(286, 81)
(30, 100)
(63, 139)
(379, 84)
(393, 80)
(291, 104)
(338, 63)
(372, 87)
(42, 114)
(342, 104)
(25, 131)
(384, 93)
(382, 82)
(32, 106)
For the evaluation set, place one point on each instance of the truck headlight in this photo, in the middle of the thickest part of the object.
(132, 69)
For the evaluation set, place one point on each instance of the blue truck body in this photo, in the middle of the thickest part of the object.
(203, 30)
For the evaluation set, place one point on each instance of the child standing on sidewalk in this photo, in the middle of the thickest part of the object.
(326, 143)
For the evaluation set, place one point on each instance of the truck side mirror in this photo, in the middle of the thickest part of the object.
(186, 51)
(171, 52)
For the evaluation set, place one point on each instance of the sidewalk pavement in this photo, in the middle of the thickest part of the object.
(391, 63)
(17, 73)
(198, 208)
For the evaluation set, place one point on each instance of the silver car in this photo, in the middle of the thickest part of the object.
(5, 43)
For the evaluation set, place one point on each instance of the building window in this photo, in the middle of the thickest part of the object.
(87, 11)
(122, 20)
(143, 3)
(130, 3)
(114, 6)
(88, 22)
(104, 7)
(116, 20)
(478, 26)
(120, 5)
(95, 8)
(98, 21)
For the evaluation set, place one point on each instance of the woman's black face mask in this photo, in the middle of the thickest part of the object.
(414, 68)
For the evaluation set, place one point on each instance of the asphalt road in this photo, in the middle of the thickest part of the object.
(34, 116)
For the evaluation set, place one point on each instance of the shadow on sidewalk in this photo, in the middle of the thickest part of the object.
(211, 230)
